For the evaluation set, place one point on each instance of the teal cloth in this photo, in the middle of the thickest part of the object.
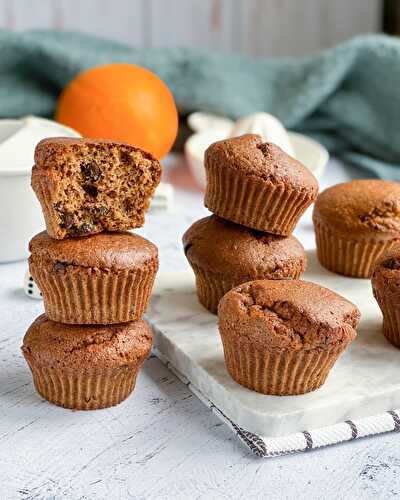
(348, 97)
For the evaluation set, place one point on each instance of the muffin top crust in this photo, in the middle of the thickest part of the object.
(289, 315)
(265, 161)
(361, 208)
(56, 345)
(220, 246)
(113, 250)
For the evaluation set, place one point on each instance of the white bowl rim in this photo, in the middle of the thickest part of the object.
(26, 170)
(323, 152)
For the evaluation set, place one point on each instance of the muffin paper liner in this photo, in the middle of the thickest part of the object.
(348, 257)
(253, 202)
(279, 373)
(211, 287)
(94, 296)
(391, 316)
(84, 390)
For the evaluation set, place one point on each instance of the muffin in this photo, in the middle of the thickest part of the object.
(355, 223)
(386, 288)
(283, 337)
(101, 279)
(224, 255)
(85, 367)
(86, 186)
(257, 184)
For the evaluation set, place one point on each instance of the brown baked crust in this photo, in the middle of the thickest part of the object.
(224, 247)
(86, 186)
(248, 155)
(287, 315)
(116, 251)
(86, 348)
(362, 209)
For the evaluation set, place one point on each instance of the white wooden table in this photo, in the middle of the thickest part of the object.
(162, 442)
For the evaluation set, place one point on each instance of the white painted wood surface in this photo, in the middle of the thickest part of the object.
(162, 443)
(257, 27)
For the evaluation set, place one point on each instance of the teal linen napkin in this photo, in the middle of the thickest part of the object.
(348, 97)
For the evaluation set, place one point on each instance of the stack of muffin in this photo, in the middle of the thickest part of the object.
(280, 335)
(257, 193)
(96, 278)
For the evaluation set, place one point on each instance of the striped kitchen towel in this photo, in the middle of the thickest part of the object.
(267, 447)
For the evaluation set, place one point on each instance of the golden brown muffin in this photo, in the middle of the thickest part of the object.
(86, 186)
(85, 367)
(386, 288)
(355, 223)
(283, 337)
(257, 185)
(224, 255)
(101, 279)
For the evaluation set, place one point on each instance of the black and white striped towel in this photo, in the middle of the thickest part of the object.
(300, 441)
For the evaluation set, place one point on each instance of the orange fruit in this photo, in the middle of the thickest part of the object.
(121, 102)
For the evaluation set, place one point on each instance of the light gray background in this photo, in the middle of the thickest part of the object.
(257, 27)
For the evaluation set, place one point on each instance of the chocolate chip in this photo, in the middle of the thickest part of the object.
(391, 263)
(99, 212)
(125, 157)
(85, 228)
(127, 206)
(67, 220)
(59, 267)
(90, 190)
(91, 171)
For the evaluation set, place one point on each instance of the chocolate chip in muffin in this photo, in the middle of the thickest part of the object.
(91, 171)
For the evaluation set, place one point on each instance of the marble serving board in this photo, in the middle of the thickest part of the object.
(365, 381)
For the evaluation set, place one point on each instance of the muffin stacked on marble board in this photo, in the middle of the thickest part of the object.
(95, 276)
(280, 335)
(257, 194)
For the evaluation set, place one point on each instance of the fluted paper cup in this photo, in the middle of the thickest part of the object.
(348, 257)
(254, 203)
(211, 287)
(279, 372)
(78, 295)
(389, 304)
(89, 390)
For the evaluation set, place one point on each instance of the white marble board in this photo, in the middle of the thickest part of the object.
(364, 382)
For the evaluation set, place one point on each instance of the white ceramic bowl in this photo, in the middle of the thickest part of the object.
(20, 213)
(308, 151)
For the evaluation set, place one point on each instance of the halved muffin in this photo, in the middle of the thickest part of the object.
(86, 186)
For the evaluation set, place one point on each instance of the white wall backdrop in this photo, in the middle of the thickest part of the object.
(257, 27)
